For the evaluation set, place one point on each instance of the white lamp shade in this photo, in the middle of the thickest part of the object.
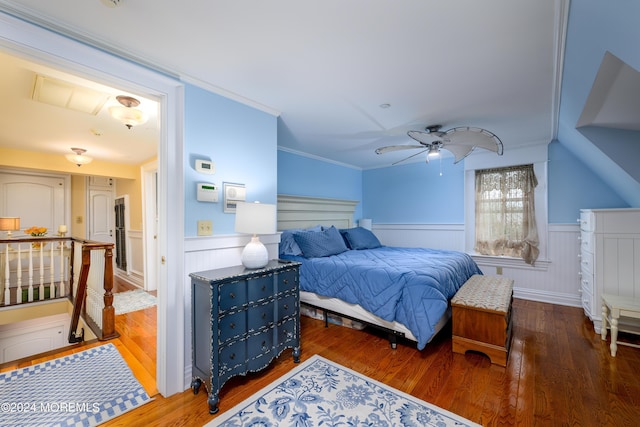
(255, 218)
(9, 223)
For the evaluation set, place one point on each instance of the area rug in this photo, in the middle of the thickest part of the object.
(82, 389)
(320, 392)
(126, 302)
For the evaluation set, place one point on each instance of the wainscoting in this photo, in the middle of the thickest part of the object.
(135, 259)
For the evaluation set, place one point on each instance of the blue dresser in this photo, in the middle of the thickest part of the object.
(241, 320)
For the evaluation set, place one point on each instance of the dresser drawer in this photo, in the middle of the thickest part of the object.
(260, 288)
(260, 350)
(260, 316)
(287, 280)
(232, 326)
(286, 333)
(587, 241)
(286, 307)
(232, 295)
(586, 262)
(587, 221)
(232, 359)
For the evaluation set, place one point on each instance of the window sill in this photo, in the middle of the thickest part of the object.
(509, 262)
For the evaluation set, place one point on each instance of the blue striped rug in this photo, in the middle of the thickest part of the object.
(82, 389)
(320, 392)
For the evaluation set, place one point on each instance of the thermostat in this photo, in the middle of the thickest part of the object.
(207, 192)
(205, 166)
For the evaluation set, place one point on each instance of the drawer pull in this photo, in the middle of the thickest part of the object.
(263, 287)
(285, 281)
(232, 295)
(264, 315)
(232, 325)
(264, 345)
(286, 306)
(232, 356)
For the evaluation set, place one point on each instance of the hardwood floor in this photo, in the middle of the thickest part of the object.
(559, 373)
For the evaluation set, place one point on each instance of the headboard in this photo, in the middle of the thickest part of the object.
(304, 212)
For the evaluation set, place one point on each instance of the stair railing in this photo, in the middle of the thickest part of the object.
(92, 296)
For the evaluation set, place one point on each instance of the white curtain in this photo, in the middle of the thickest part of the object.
(505, 213)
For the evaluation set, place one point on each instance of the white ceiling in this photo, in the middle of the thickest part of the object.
(325, 67)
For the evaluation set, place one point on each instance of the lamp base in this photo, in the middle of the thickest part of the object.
(255, 254)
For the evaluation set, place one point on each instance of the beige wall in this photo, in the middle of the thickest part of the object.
(58, 163)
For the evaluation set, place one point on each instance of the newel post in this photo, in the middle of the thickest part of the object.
(109, 311)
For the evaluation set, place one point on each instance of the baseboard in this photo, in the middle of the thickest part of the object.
(548, 297)
(133, 279)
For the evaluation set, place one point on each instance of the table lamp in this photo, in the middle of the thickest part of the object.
(255, 218)
(9, 224)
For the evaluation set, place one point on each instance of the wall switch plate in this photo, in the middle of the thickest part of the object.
(205, 228)
(499, 271)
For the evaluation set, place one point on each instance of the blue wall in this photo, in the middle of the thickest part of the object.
(303, 176)
(573, 186)
(240, 140)
(415, 193)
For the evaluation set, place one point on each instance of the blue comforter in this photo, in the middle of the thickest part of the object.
(412, 286)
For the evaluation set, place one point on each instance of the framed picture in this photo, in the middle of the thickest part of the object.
(233, 193)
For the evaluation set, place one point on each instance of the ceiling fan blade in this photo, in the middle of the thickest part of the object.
(459, 151)
(411, 156)
(390, 148)
(424, 138)
(476, 137)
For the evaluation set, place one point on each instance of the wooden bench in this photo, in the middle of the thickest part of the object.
(481, 317)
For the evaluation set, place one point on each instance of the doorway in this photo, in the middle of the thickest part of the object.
(37, 43)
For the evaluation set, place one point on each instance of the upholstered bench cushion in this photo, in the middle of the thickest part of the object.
(491, 293)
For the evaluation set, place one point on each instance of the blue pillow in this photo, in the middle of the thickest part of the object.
(288, 245)
(361, 238)
(325, 243)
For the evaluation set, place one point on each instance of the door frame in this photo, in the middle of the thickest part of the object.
(149, 224)
(34, 42)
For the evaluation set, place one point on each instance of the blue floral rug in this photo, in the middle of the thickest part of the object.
(82, 389)
(320, 392)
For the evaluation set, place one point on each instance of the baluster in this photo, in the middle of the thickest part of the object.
(52, 282)
(7, 293)
(19, 276)
(30, 273)
(41, 288)
(61, 289)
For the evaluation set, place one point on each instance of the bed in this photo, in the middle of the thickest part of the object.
(403, 291)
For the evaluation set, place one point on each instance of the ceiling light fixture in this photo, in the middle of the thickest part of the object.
(79, 158)
(127, 112)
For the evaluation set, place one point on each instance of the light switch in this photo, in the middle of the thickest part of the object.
(205, 228)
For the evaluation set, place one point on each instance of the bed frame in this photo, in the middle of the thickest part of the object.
(304, 212)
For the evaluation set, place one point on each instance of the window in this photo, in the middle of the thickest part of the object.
(505, 223)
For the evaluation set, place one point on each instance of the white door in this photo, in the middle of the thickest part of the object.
(101, 216)
(37, 199)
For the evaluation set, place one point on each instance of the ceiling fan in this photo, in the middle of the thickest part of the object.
(460, 141)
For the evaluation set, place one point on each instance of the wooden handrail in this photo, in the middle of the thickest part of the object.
(107, 331)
